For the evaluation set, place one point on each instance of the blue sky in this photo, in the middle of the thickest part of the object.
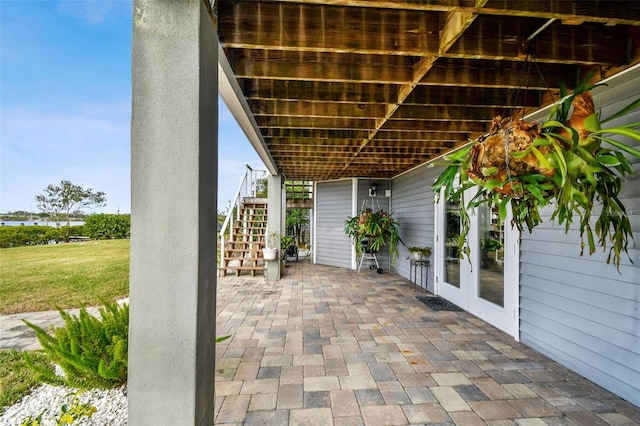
(65, 104)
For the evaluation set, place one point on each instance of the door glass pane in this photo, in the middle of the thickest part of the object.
(491, 246)
(452, 257)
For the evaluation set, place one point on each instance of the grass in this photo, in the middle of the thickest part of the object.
(43, 278)
(16, 379)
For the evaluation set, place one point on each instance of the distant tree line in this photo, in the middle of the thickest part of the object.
(99, 226)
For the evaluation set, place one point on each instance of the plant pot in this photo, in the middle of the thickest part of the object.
(270, 254)
(417, 255)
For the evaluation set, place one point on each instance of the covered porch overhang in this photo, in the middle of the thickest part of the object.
(324, 91)
(372, 89)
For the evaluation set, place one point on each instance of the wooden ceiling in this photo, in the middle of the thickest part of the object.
(372, 88)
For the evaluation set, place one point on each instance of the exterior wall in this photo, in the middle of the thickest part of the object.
(578, 310)
(413, 206)
(333, 206)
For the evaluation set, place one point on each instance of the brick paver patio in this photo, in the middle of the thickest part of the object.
(329, 346)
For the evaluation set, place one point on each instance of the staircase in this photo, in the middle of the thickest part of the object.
(243, 251)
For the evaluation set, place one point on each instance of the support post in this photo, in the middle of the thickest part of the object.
(173, 217)
(274, 221)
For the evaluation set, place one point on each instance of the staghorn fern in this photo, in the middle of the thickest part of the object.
(579, 165)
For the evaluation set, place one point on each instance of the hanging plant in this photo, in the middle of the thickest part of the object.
(377, 230)
(570, 163)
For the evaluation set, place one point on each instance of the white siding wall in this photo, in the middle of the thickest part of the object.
(580, 311)
(333, 207)
(412, 205)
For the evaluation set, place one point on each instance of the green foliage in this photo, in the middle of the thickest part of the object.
(586, 168)
(107, 226)
(424, 251)
(68, 414)
(15, 236)
(379, 229)
(67, 198)
(91, 351)
(296, 219)
(262, 188)
(33, 421)
(75, 411)
(286, 242)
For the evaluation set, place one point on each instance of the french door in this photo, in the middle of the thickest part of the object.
(486, 282)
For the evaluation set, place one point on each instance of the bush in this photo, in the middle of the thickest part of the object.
(15, 236)
(91, 351)
(107, 226)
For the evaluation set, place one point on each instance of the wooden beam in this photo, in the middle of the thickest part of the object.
(605, 12)
(320, 91)
(298, 108)
(455, 24)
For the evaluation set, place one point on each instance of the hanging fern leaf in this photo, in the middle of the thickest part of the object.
(563, 161)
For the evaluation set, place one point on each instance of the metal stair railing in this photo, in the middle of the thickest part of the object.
(247, 188)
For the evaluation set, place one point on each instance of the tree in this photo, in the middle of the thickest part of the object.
(262, 188)
(67, 197)
(296, 219)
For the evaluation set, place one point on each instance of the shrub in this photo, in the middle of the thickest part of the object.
(91, 351)
(15, 236)
(107, 226)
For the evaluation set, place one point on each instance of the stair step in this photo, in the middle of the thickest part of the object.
(248, 238)
(258, 244)
(243, 259)
(245, 268)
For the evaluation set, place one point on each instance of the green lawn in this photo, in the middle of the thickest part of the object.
(63, 275)
(16, 379)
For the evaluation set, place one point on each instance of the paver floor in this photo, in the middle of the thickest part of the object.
(329, 346)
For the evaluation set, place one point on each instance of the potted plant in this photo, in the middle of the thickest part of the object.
(271, 251)
(419, 253)
(375, 229)
(287, 246)
(567, 162)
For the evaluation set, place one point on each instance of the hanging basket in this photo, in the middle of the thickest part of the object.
(572, 162)
(378, 229)
(507, 140)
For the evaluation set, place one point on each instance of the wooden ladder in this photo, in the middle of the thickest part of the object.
(244, 251)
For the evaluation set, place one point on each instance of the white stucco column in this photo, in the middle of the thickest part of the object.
(173, 221)
(275, 220)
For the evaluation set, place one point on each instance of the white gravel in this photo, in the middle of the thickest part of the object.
(111, 406)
